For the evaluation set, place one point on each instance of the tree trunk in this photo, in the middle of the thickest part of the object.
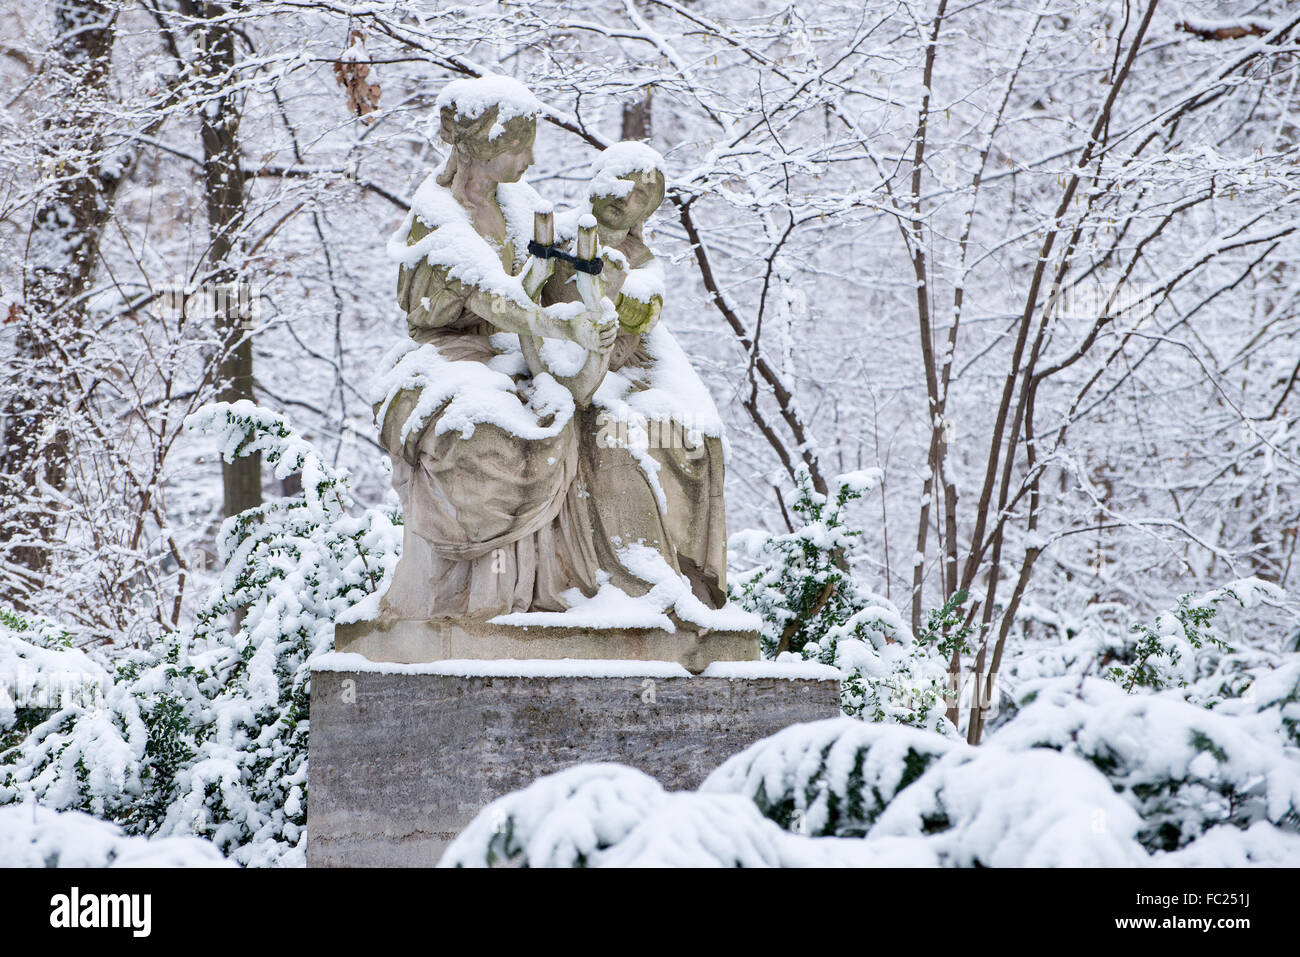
(223, 180)
(636, 119)
(36, 403)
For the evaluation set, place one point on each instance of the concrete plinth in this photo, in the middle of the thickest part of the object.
(402, 757)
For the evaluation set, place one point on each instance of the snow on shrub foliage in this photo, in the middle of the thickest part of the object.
(1184, 768)
(1196, 766)
(813, 607)
(1193, 732)
(988, 807)
(1200, 751)
(968, 806)
(1183, 645)
(205, 732)
(1189, 650)
(983, 806)
(829, 778)
(848, 793)
(607, 815)
(1260, 845)
(33, 836)
(40, 670)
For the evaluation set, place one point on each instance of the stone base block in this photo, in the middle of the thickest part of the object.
(440, 639)
(403, 757)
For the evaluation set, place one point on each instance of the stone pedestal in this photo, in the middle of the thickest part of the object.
(440, 639)
(403, 756)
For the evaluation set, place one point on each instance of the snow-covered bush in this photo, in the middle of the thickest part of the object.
(34, 836)
(829, 778)
(1193, 719)
(40, 670)
(1185, 769)
(972, 806)
(1267, 686)
(1085, 775)
(1105, 639)
(205, 732)
(1260, 845)
(1193, 651)
(1259, 679)
(989, 807)
(811, 605)
(823, 782)
(608, 815)
(1183, 644)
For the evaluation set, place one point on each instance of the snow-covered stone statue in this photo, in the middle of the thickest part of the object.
(558, 461)
(560, 466)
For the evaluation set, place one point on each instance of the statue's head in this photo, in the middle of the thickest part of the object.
(489, 122)
(627, 185)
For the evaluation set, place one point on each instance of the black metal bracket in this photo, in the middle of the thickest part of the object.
(542, 251)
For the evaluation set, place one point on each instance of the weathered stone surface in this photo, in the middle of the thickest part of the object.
(439, 639)
(401, 762)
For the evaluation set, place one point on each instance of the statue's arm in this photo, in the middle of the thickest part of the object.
(509, 315)
(432, 299)
(394, 419)
(543, 322)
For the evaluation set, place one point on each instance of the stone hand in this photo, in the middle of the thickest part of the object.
(593, 335)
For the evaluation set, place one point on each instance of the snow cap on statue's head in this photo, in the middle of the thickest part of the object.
(496, 103)
(613, 171)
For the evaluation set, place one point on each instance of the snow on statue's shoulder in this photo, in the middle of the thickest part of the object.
(646, 282)
(519, 202)
(452, 243)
